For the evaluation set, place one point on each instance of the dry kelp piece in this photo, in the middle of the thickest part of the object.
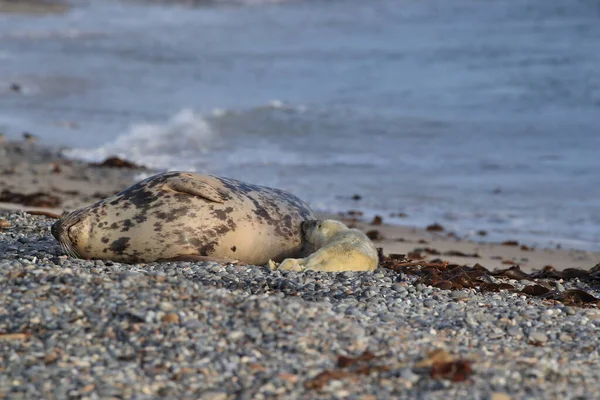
(323, 378)
(37, 199)
(513, 272)
(348, 367)
(116, 162)
(416, 255)
(44, 214)
(456, 253)
(374, 234)
(574, 297)
(427, 250)
(377, 220)
(535, 290)
(443, 275)
(443, 365)
(569, 273)
(456, 371)
(346, 362)
(435, 228)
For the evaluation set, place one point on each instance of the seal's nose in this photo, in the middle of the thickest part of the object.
(308, 225)
(55, 229)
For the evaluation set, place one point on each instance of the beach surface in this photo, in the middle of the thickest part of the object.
(98, 329)
(31, 168)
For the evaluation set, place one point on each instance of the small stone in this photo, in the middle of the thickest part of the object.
(170, 318)
(429, 303)
(538, 336)
(459, 295)
(291, 378)
(235, 335)
(213, 396)
(563, 337)
(409, 375)
(88, 388)
(165, 306)
(514, 331)
(368, 397)
(500, 396)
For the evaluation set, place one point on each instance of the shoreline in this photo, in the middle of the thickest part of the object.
(29, 168)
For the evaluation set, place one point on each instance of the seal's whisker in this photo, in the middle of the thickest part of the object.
(63, 246)
(73, 252)
(69, 250)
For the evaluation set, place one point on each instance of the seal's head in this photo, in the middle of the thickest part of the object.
(72, 231)
(318, 232)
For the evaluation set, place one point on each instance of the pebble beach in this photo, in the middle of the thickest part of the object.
(460, 136)
(72, 328)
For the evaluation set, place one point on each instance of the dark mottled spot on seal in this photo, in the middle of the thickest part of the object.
(183, 198)
(252, 191)
(105, 239)
(173, 214)
(287, 221)
(262, 214)
(126, 225)
(231, 225)
(138, 195)
(158, 226)
(233, 248)
(196, 242)
(221, 229)
(222, 214)
(120, 245)
(139, 218)
(207, 248)
(114, 225)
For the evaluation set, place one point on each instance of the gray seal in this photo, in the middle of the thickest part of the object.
(188, 216)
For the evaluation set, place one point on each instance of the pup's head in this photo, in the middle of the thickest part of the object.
(73, 231)
(318, 232)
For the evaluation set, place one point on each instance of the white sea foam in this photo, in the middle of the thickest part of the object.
(169, 145)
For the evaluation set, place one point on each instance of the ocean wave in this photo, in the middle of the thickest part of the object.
(193, 141)
(170, 145)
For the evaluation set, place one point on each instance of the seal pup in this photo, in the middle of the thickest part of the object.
(339, 248)
(188, 216)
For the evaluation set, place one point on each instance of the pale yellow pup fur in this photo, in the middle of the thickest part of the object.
(338, 248)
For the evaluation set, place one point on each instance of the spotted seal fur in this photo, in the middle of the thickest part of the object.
(188, 216)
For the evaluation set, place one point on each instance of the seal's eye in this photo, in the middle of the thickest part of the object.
(319, 226)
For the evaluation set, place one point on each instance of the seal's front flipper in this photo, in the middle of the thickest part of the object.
(194, 187)
(193, 257)
(292, 264)
(272, 265)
